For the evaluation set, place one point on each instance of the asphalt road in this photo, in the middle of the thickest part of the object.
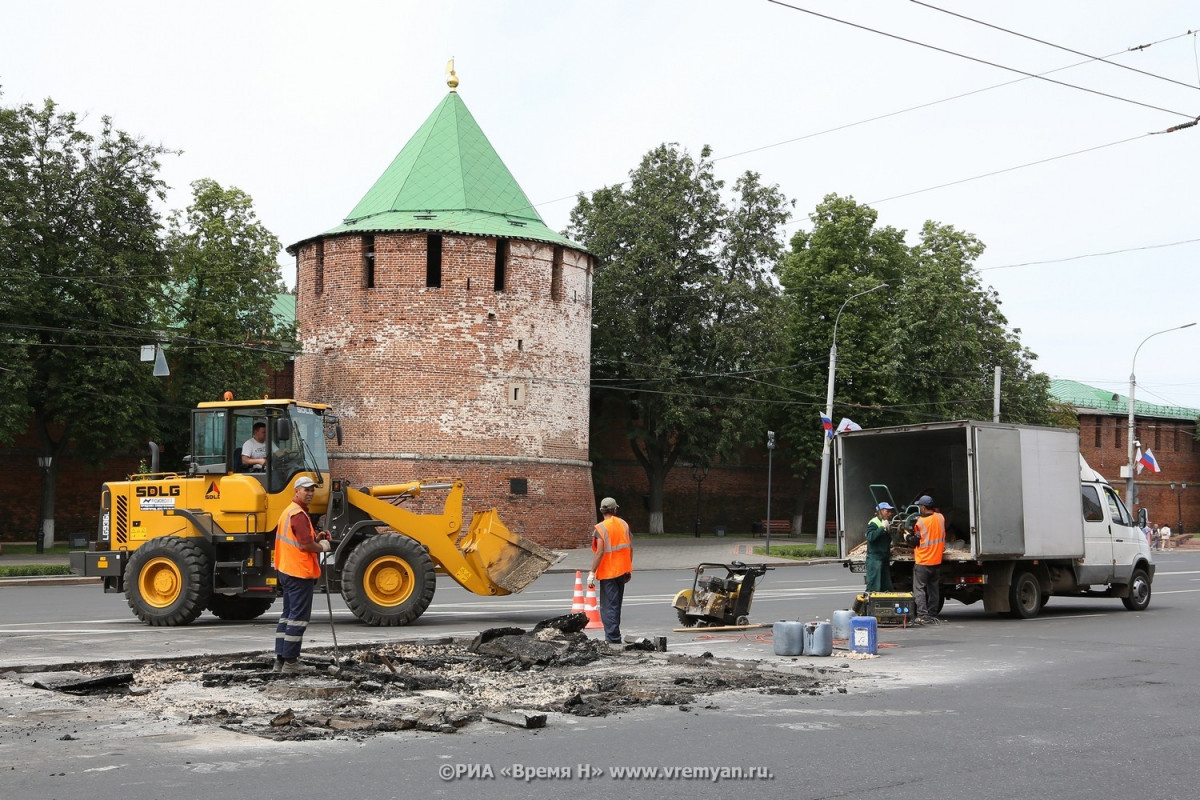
(1086, 701)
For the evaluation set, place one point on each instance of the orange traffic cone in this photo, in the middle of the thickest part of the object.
(577, 606)
(592, 609)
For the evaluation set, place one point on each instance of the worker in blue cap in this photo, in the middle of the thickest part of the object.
(879, 549)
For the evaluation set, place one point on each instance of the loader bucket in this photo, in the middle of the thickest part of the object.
(511, 561)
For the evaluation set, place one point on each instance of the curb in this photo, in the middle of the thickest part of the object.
(49, 580)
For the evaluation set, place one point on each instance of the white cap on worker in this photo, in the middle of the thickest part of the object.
(304, 482)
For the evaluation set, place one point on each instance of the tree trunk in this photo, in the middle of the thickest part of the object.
(657, 479)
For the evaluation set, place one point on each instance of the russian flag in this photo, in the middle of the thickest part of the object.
(1149, 462)
(827, 424)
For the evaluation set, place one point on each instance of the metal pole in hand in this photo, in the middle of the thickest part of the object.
(329, 605)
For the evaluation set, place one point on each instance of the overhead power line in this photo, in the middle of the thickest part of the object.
(1055, 46)
(1089, 255)
(978, 60)
(1009, 169)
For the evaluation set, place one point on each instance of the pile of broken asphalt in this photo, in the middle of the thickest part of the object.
(505, 675)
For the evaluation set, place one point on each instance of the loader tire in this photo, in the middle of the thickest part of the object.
(168, 581)
(239, 608)
(388, 580)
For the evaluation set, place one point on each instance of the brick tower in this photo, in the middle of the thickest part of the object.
(450, 329)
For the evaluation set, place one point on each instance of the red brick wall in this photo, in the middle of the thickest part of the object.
(460, 379)
(1176, 450)
(77, 491)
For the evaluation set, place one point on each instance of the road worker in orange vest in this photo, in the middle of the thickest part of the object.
(927, 555)
(297, 546)
(612, 565)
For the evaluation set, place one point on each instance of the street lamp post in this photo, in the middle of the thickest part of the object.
(699, 473)
(1129, 488)
(822, 501)
(770, 452)
(1178, 504)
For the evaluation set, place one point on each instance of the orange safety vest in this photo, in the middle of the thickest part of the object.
(612, 538)
(933, 540)
(288, 557)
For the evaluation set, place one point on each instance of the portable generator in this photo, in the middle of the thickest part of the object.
(889, 608)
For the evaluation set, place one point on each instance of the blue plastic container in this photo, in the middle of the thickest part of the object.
(841, 623)
(864, 635)
(818, 639)
(789, 638)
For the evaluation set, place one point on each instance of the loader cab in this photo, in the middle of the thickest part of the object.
(295, 440)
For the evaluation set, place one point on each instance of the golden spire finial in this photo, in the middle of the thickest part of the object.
(452, 81)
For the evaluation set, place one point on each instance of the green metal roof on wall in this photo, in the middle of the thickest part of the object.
(449, 179)
(284, 308)
(1081, 395)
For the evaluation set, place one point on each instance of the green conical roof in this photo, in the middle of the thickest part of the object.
(449, 178)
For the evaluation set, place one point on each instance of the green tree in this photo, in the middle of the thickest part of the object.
(950, 335)
(81, 262)
(924, 349)
(844, 254)
(224, 284)
(683, 302)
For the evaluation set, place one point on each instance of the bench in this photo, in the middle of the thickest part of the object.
(1179, 539)
(775, 526)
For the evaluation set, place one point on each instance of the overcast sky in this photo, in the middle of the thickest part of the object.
(304, 104)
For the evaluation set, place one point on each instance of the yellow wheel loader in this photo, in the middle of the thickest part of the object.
(177, 544)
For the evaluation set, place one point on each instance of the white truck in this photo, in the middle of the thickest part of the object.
(1026, 517)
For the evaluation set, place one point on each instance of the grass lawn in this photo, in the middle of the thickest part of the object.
(33, 570)
(799, 552)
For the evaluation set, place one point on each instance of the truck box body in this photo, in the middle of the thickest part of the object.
(1011, 496)
(1008, 491)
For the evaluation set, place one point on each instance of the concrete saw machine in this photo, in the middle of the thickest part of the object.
(717, 600)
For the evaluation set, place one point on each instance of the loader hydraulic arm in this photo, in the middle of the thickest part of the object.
(475, 561)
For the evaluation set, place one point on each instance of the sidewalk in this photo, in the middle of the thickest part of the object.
(651, 552)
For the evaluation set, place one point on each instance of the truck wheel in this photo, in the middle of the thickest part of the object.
(1024, 596)
(391, 580)
(1139, 591)
(239, 608)
(168, 581)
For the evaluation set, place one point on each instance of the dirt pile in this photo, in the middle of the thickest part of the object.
(441, 687)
